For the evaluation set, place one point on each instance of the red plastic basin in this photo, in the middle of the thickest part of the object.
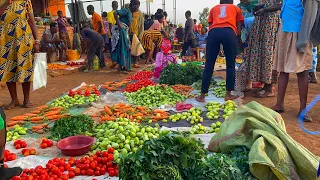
(75, 145)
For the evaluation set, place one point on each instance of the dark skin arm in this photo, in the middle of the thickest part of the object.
(34, 30)
(110, 27)
(275, 7)
(187, 32)
(116, 17)
(100, 27)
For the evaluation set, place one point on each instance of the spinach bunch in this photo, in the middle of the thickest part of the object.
(176, 74)
(175, 155)
(71, 126)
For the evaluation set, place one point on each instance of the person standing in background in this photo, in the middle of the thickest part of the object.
(17, 40)
(62, 24)
(112, 22)
(180, 33)
(136, 28)
(106, 28)
(313, 71)
(195, 26)
(189, 38)
(98, 27)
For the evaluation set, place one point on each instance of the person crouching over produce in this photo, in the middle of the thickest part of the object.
(51, 43)
(96, 45)
(164, 56)
(5, 173)
(225, 25)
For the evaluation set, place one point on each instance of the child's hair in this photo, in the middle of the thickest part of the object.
(226, 1)
(85, 25)
(104, 14)
(205, 29)
(53, 25)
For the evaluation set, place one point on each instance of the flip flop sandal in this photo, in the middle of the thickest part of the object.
(280, 111)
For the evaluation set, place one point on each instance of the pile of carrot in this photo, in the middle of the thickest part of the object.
(58, 66)
(39, 115)
(133, 113)
(115, 86)
(182, 89)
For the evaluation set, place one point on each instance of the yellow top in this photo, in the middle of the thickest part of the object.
(111, 20)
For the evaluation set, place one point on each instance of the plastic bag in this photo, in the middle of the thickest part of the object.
(40, 71)
(136, 46)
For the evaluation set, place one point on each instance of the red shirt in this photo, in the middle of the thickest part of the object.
(225, 15)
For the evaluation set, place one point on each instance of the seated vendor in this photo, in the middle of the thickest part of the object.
(51, 43)
(202, 37)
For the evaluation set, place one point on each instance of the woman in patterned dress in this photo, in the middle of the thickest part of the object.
(19, 38)
(259, 54)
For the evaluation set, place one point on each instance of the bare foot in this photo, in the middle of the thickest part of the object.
(230, 97)
(200, 99)
(12, 105)
(27, 104)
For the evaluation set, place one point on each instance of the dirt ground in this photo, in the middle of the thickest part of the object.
(56, 86)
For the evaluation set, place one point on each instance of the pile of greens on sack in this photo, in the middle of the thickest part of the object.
(178, 156)
(176, 74)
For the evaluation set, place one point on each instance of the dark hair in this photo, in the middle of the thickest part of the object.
(85, 25)
(159, 16)
(188, 13)
(171, 25)
(104, 14)
(59, 12)
(91, 7)
(194, 20)
(160, 11)
(226, 1)
(165, 14)
(153, 17)
(53, 25)
(206, 30)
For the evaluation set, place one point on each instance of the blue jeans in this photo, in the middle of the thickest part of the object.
(228, 38)
(314, 60)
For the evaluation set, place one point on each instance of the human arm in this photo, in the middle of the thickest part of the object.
(99, 26)
(273, 8)
(33, 27)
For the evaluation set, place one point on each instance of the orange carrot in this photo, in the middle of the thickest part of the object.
(36, 112)
(108, 119)
(19, 118)
(42, 107)
(56, 108)
(29, 114)
(52, 113)
(38, 118)
(108, 110)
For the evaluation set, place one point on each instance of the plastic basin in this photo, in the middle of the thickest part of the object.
(73, 55)
(75, 145)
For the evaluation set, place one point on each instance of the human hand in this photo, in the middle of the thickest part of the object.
(36, 47)
(260, 12)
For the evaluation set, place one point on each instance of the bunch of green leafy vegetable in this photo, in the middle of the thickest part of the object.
(175, 154)
(71, 126)
(176, 74)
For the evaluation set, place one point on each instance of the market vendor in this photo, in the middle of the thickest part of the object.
(5, 173)
(62, 24)
(51, 43)
(202, 37)
(96, 45)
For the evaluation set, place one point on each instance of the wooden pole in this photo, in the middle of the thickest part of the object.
(175, 11)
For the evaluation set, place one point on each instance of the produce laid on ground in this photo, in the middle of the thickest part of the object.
(220, 90)
(134, 113)
(197, 85)
(18, 144)
(182, 89)
(140, 75)
(193, 116)
(134, 87)
(223, 60)
(9, 156)
(154, 96)
(176, 157)
(16, 133)
(68, 101)
(215, 109)
(58, 66)
(122, 135)
(176, 74)
(70, 126)
(97, 164)
(228, 108)
(115, 86)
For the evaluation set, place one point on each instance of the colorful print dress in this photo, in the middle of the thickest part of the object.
(16, 43)
(259, 54)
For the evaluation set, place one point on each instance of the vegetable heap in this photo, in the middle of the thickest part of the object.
(15, 133)
(134, 113)
(122, 135)
(115, 86)
(215, 108)
(134, 87)
(154, 96)
(177, 156)
(71, 126)
(220, 91)
(197, 85)
(141, 75)
(69, 101)
(182, 89)
(176, 74)
(193, 116)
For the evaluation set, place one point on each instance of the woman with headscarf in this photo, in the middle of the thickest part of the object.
(152, 38)
(259, 54)
(19, 40)
(180, 33)
(120, 40)
(247, 8)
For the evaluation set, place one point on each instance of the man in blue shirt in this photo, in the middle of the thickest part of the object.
(288, 58)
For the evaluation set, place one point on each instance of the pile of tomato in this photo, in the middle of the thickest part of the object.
(18, 144)
(141, 75)
(97, 164)
(8, 156)
(134, 87)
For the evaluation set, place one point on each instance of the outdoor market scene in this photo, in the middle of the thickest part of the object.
(159, 90)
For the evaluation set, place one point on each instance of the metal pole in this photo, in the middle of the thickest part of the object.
(164, 5)
(101, 6)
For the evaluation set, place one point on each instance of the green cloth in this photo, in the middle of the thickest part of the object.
(1, 123)
(273, 153)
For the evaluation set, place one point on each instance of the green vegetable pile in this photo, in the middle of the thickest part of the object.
(68, 101)
(178, 156)
(197, 85)
(71, 126)
(176, 74)
(154, 96)
(124, 136)
(193, 116)
(220, 91)
(176, 153)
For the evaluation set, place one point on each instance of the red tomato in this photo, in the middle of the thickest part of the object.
(110, 150)
(44, 145)
(6, 153)
(105, 160)
(83, 172)
(103, 171)
(104, 154)
(77, 171)
(112, 173)
(71, 174)
(109, 164)
(116, 172)
(18, 146)
(110, 157)
(64, 177)
(50, 143)
(90, 172)
(23, 144)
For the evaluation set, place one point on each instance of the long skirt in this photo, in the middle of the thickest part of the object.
(121, 47)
